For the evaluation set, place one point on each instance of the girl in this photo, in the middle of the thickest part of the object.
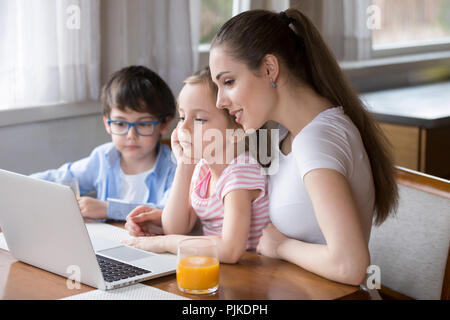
(335, 170)
(229, 198)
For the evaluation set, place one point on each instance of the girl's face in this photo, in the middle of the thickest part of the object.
(201, 125)
(246, 96)
(131, 145)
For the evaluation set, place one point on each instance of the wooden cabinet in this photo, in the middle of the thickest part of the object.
(416, 120)
(421, 149)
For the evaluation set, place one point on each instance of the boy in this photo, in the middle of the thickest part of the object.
(135, 168)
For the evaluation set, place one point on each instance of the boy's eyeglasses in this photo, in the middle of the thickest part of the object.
(142, 128)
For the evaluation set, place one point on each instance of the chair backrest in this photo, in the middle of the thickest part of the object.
(412, 247)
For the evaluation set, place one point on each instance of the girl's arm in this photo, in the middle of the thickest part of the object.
(178, 217)
(233, 241)
(345, 257)
(236, 224)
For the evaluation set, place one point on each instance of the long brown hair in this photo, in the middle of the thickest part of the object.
(296, 42)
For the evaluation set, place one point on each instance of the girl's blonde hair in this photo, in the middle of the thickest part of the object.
(295, 41)
(203, 76)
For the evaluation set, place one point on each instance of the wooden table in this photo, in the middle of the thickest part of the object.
(255, 277)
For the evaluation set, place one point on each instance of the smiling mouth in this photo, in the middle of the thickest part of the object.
(237, 114)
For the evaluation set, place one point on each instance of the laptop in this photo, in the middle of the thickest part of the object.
(43, 226)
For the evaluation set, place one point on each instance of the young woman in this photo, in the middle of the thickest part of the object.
(335, 172)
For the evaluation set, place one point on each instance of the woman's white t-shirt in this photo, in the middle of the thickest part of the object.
(332, 141)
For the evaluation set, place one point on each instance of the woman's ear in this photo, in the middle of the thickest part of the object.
(271, 67)
(105, 122)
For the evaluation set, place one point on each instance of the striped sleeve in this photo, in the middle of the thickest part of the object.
(244, 176)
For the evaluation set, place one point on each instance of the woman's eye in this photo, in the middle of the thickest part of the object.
(200, 120)
(228, 82)
(180, 118)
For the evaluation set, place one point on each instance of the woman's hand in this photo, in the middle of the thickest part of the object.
(144, 221)
(270, 240)
(93, 208)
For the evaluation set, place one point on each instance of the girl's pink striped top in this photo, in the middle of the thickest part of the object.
(243, 172)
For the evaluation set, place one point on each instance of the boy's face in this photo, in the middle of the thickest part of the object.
(131, 145)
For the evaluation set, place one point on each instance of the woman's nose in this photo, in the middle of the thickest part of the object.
(222, 101)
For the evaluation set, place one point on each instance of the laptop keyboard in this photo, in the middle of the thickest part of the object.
(113, 270)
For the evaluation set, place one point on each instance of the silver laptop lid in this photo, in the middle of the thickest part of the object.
(43, 227)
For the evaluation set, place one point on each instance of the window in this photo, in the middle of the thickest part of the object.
(49, 53)
(214, 13)
(411, 26)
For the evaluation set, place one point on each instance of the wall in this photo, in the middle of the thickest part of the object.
(33, 145)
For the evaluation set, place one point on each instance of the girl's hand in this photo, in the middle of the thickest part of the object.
(270, 241)
(175, 144)
(152, 244)
(144, 221)
(93, 208)
(183, 157)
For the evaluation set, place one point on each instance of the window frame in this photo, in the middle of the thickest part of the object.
(416, 47)
(238, 7)
(407, 48)
(203, 48)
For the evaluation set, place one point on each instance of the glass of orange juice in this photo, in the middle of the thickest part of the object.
(198, 266)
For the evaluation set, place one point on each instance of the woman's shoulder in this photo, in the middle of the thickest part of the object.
(326, 142)
(332, 126)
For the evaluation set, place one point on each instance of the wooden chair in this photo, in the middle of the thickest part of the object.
(412, 248)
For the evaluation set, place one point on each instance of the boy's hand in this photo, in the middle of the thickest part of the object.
(144, 221)
(93, 208)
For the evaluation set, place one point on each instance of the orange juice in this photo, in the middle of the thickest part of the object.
(198, 273)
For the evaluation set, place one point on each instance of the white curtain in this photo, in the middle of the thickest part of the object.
(49, 51)
(343, 24)
(345, 27)
(153, 33)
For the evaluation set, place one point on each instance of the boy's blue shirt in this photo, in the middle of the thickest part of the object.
(100, 171)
